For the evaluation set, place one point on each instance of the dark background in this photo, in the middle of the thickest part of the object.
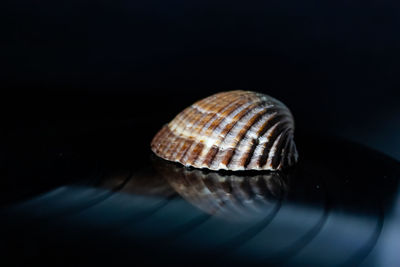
(73, 65)
(89, 82)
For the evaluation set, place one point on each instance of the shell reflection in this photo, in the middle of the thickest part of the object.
(229, 195)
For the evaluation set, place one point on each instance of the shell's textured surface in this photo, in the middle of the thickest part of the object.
(235, 130)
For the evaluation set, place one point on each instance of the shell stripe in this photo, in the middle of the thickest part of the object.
(267, 124)
(230, 112)
(240, 137)
(244, 158)
(283, 161)
(184, 120)
(225, 132)
(272, 138)
(275, 161)
(237, 130)
(181, 149)
(194, 145)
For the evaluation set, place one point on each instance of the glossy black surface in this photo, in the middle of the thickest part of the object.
(99, 196)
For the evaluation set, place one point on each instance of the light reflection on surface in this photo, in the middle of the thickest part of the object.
(318, 214)
(233, 196)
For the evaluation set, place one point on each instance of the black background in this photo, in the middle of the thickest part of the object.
(68, 68)
(69, 64)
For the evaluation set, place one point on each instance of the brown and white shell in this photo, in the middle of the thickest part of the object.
(236, 130)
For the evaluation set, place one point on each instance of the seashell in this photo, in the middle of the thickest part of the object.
(236, 130)
(227, 195)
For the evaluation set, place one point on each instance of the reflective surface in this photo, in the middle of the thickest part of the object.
(102, 197)
(229, 195)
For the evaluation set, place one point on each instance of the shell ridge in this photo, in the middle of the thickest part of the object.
(192, 144)
(283, 153)
(234, 103)
(186, 119)
(184, 151)
(185, 138)
(263, 141)
(275, 161)
(250, 153)
(263, 115)
(277, 118)
(273, 149)
(209, 123)
(258, 129)
(223, 109)
(275, 145)
(236, 130)
(178, 120)
(194, 124)
(155, 142)
(255, 138)
(240, 136)
(198, 121)
(222, 159)
(268, 145)
(164, 136)
(233, 111)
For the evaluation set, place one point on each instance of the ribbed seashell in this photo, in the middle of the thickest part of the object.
(226, 195)
(236, 130)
